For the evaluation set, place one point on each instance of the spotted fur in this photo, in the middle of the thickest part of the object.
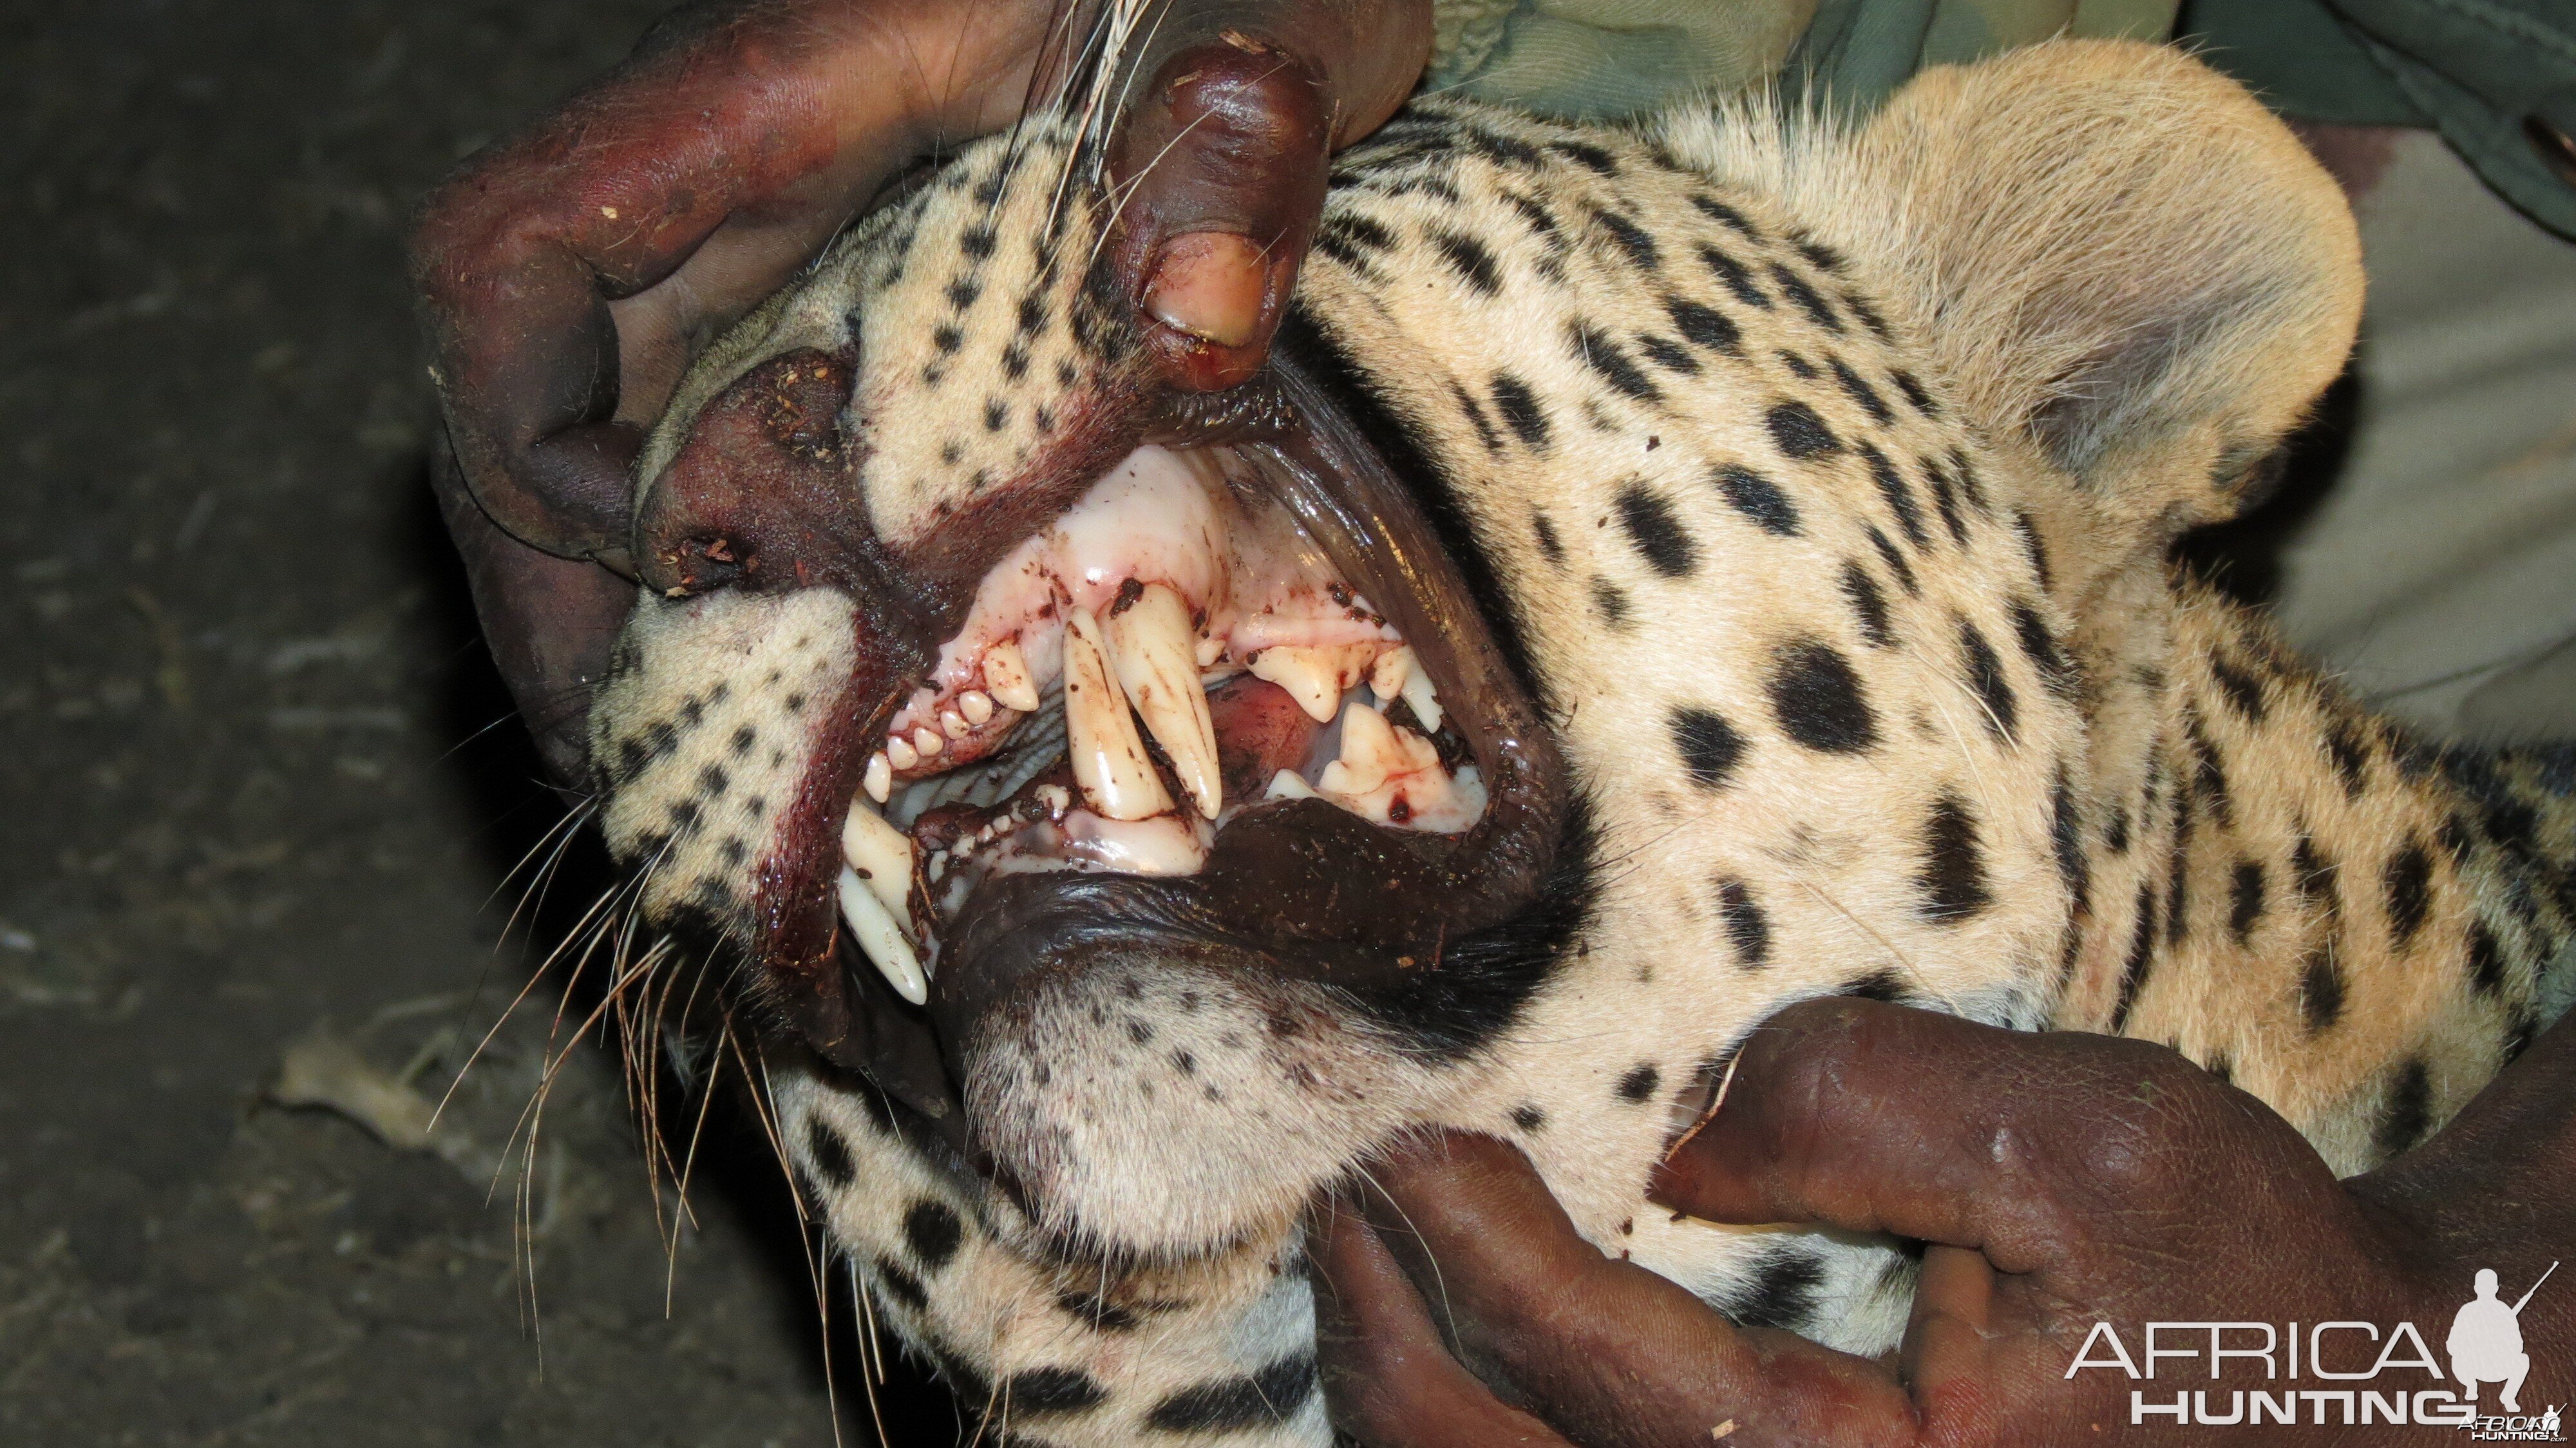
(1825, 479)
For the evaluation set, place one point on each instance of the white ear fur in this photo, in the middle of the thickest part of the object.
(2129, 261)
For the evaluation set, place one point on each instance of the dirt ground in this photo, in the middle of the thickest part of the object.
(262, 802)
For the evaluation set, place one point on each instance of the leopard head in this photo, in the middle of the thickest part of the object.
(1157, 800)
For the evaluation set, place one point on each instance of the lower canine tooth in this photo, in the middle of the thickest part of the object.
(881, 854)
(1006, 677)
(881, 939)
(1109, 761)
(1149, 644)
(1314, 676)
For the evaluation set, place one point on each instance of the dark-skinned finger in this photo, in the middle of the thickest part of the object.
(1222, 162)
(550, 622)
(2055, 1152)
(1389, 1380)
(1946, 1359)
(1605, 1350)
(703, 171)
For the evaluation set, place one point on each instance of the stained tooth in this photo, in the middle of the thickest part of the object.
(1288, 784)
(900, 754)
(1398, 673)
(1006, 677)
(1387, 675)
(1313, 676)
(953, 724)
(1419, 698)
(1149, 643)
(881, 939)
(880, 777)
(976, 705)
(1209, 651)
(1056, 800)
(926, 740)
(1109, 762)
(881, 854)
(1370, 752)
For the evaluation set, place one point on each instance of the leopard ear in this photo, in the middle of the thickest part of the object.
(2120, 256)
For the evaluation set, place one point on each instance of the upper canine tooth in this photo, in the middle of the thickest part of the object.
(1314, 676)
(882, 856)
(1149, 643)
(881, 939)
(900, 753)
(1109, 761)
(1006, 677)
(976, 705)
(926, 740)
(880, 777)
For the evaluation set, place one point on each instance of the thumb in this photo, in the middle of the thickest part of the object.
(1877, 1118)
(1222, 162)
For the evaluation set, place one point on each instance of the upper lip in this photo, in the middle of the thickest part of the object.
(1258, 889)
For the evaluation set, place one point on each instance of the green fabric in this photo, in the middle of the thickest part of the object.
(2300, 59)
(1606, 59)
(2474, 69)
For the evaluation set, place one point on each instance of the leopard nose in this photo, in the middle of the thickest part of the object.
(761, 495)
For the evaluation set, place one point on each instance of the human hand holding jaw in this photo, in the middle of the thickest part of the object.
(567, 275)
(2057, 1180)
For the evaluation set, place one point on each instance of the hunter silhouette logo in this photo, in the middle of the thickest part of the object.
(2486, 1341)
(2363, 1373)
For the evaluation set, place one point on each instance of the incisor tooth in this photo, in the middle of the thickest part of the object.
(1313, 676)
(953, 724)
(1149, 644)
(926, 740)
(1109, 762)
(881, 939)
(880, 777)
(1006, 677)
(976, 705)
(881, 854)
(899, 753)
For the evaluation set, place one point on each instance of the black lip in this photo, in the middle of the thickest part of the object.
(1298, 890)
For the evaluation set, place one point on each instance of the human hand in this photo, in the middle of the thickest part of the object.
(2059, 1180)
(567, 275)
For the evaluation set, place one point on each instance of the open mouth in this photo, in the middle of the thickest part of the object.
(1170, 652)
(1229, 706)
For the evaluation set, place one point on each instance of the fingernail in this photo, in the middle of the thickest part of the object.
(1210, 285)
